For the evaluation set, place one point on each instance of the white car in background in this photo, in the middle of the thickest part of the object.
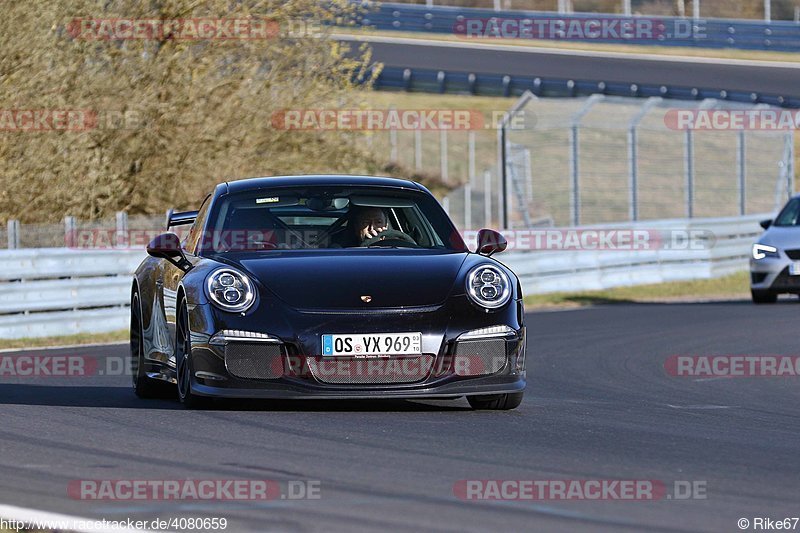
(775, 258)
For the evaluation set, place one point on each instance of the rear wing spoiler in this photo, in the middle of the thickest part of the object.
(180, 219)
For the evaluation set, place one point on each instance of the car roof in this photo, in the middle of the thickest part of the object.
(320, 179)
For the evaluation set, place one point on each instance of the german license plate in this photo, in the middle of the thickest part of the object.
(794, 269)
(372, 344)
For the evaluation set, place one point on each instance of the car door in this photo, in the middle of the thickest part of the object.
(171, 275)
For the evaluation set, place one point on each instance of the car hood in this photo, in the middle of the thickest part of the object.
(330, 280)
(782, 237)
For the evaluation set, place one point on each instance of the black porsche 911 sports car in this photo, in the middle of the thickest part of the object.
(326, 287)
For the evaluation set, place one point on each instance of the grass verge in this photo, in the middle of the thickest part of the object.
(65, 340)
(725, 288)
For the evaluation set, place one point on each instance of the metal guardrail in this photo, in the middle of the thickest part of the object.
(54, 291)
(581, 270)
(439, 81)
(60, 291)
(703, 33)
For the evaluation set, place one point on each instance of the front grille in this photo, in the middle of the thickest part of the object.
(480, 357)
(792, 254)
(254, 360)
(786, 282)
(341, 370)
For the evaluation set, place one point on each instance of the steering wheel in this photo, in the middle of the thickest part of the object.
(389, 236)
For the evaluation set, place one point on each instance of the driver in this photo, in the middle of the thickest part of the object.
(364, 223)
(368, 223)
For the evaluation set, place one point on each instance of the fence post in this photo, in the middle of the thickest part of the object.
(695, 9)
(575, 174)
(487, 198)
(790, 163)
(502, 155)
(574, 158)
(688, 163)
(528, 176)
(633, 156)
(626, 8)
(443, 155)
(633, 175)
(741, 150)
(122, 229)
(471, 143)
(70, 233)
(393, 145)
(13, 234)
(418, 149)
(767, 11)
(468, 205)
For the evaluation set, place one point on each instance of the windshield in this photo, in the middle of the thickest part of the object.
(790, 214)
(344, 218)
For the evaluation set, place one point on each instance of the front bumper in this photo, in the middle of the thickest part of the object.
(445, 369)
(772, 274)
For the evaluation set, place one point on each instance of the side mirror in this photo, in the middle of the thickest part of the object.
(168, 246)
(765, 223)
(490, 241)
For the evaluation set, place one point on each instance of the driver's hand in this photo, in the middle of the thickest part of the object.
(374, 232)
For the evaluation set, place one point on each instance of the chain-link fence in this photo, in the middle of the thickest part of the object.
(610, 159)
(568, 162)
(119, 232)
(604, 159)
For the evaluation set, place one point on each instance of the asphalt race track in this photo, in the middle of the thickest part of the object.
(599, 405)
(777, 79)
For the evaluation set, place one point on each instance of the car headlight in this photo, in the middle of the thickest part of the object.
(488, 286)
(230, 290)
(760, 251)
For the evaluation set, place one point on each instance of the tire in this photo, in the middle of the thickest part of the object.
(183, 363)
(496, 402)
(764, 297)
(143, 386)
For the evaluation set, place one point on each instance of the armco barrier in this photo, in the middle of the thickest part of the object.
(438, 81)
(543, 272)
(703, 33)
(58, 291)
(61, 291)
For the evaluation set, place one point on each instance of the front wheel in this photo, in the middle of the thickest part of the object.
(763, 297)
(183, 362)
(497, 402)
